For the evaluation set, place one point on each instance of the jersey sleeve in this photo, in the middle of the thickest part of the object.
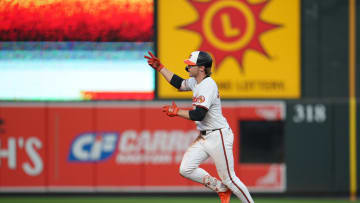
(188, 84)
(206, 96)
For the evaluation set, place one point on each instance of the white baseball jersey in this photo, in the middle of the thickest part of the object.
(217, 144)
(206, 95)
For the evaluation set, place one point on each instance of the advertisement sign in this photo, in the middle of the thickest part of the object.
(23, 148)
(255, 45)
(94, 147)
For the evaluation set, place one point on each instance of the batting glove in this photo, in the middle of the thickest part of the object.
(171, 110)
(154, 62)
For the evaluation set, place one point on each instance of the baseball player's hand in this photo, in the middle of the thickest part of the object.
(154, 62)
(171, 110)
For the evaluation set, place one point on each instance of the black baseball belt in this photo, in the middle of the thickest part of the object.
(204, 132)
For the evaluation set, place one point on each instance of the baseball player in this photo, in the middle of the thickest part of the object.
(216, 138)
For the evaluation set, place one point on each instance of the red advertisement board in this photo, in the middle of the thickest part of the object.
(23, 147)
(115, 147)
(64, 125)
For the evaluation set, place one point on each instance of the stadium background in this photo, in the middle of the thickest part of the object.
(298, 139)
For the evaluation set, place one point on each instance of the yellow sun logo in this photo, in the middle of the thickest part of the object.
(230, 28)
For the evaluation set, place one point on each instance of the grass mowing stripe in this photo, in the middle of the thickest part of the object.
(47, 199)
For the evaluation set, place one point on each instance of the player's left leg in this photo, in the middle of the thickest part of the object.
(220, 148)
(189, 167)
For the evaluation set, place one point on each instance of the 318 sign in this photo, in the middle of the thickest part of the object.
(310, 113)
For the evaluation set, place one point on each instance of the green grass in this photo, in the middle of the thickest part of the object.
(47, 199)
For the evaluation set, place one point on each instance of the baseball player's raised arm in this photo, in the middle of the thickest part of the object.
(155, 63)
(167, 74)
(172, 78)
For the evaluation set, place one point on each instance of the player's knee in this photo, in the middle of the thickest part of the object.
(184, 171)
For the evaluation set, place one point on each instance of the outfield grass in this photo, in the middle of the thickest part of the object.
(47, 199)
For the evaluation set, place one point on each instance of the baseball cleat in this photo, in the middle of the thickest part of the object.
(225, 196)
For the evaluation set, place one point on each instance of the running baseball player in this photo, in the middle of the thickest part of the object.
(216, 138)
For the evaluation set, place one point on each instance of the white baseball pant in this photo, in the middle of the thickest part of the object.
(219, 146)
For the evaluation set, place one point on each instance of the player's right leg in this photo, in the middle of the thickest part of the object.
(189, 167)
(220, 145)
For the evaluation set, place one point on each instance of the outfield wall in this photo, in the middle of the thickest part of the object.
(298, 147)
(120, 147)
